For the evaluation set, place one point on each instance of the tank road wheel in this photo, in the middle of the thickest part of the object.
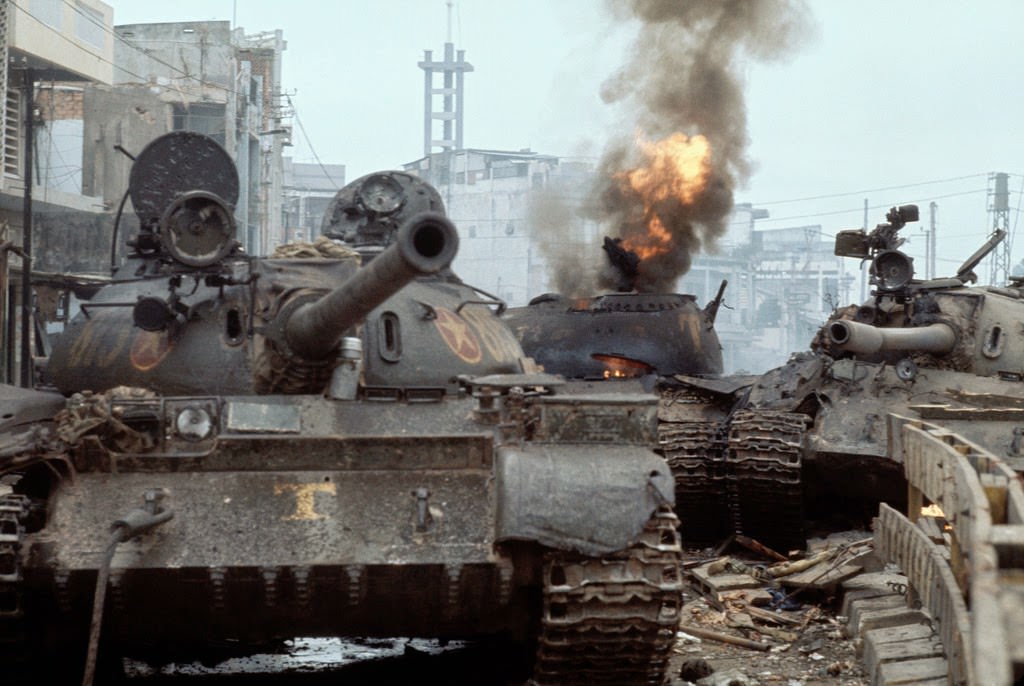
(612, 619)
(764, 460)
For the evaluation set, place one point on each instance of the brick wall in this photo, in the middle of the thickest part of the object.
(59, 104)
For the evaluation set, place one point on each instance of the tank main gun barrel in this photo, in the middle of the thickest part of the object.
(425, 244)
(856, 337)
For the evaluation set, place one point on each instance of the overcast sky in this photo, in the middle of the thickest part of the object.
(893, 101)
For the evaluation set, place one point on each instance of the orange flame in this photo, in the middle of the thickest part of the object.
(677, 168)
(622, 367)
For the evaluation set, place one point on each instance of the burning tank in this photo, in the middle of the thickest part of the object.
(625, 334)
(257, 448)
(935, 349)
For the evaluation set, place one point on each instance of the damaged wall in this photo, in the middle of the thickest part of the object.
(129, 116)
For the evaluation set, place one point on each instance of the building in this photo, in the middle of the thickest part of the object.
(489, 195)
(783, 285)
(308, 189)
(212, 79)
(52, 50)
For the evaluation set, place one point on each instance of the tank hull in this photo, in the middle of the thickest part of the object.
(307, 516)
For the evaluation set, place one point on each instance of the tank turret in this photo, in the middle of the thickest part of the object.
(625, 334)
(424, 245)
(943, 323)
(190, 312)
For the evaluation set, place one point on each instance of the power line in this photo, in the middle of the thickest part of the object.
(873, 190)
(861, 208)
(202, 82)
(302, 128)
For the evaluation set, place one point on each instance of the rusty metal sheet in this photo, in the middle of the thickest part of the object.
(285, 518)
(261, 416)
(598, 417)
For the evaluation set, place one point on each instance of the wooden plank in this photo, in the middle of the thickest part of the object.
(892, 634)
(860, 608)
(991, 414)
(895, 634)
(1011, 602)
(821, 580)
(714, 584)
(911, 671)
(915, 649)
(894, 616)
(995, 491)
(851, 597)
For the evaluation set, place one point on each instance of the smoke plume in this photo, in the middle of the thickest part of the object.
(684, 76)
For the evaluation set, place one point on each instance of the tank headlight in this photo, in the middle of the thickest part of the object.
(194, 424)
(893, 270)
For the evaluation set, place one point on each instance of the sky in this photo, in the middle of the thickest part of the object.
(880, 101)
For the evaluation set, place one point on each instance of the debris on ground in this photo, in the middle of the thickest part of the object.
(752, 618)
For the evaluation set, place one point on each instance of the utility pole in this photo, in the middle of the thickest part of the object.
(864, 263)
(930, 244)
(26, 237)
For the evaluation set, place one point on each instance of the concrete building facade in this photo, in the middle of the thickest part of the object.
(308, 190)
(488, 194)
(51, 49)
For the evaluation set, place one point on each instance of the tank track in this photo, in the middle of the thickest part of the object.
(696, 452)
(14, 642)
(740, 475)
(765, 464)
(612, 619)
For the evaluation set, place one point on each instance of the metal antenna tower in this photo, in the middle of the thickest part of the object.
(452, 68)
(999, 208)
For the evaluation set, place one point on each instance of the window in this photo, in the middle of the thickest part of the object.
(12, 135)
(89, 25)
(49, 12)
(201, 118)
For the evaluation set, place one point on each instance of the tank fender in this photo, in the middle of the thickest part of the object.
(25, 406)
(594, 499)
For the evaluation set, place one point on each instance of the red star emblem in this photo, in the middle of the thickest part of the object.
(457, 334)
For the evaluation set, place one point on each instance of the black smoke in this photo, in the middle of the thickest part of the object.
(684, 74)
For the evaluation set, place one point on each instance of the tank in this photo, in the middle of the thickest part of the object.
(341, 439)
(620, 335)
(810, 440)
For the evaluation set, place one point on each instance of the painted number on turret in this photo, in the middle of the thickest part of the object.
(305, 500)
